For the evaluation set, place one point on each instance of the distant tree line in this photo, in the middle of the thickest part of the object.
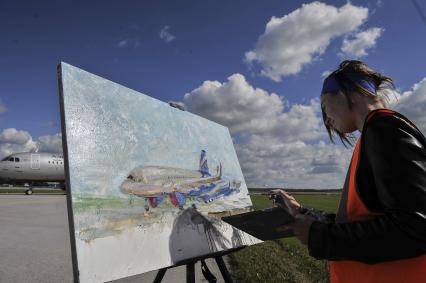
(296, 190)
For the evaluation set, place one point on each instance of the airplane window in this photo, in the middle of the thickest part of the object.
(5, 159)
(11, 159)
(48, 162)
(16, 159)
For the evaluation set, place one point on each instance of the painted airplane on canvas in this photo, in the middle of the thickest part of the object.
(155, 183)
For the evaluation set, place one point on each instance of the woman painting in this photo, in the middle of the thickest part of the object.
(379, 231)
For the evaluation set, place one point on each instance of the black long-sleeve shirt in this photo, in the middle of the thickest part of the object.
(390, 181)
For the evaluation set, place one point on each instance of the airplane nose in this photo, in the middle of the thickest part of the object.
(125, 187)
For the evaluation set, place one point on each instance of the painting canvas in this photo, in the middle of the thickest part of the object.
(147, 183)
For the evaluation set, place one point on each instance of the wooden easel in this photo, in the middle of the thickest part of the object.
(190, 268)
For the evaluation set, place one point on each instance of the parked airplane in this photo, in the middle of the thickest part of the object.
(155, 183)
(32, 167)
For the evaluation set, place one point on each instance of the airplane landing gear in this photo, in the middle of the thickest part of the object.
(30, 190)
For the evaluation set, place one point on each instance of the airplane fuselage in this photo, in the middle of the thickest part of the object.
(156, 183)
(32, 167)
(157, 180)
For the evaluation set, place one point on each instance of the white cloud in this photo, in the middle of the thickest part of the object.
(389, 95)
(325, 74)
(129, 38)
(13, 141)
(235, 103)
(300, 163)
(296, 164)
(314, 164)
(300, 122)
(294, 40)
(249, 110)
(412, 104)
(3, 107)
(12, 135)
(129, 43)
(50, 143)
(283, 145)
(123, 43)
(166, 35)
(358, 45)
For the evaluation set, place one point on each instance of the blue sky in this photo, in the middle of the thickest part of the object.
(201, 41)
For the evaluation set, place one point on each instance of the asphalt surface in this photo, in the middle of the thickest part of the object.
(35, 245)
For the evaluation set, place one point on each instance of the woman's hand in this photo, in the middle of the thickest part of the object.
(285, 201)
(300, 227)
(301, 224)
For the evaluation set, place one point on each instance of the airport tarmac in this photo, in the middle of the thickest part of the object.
(35, 246)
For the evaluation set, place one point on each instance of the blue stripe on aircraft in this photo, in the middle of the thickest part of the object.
(226, 191)
(180, 198)
(158, 200)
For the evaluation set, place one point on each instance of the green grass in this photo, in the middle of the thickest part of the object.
(282, 260)
(86, 203)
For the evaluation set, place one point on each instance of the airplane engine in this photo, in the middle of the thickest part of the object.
(154, 202)
(219, 192)
(177, 199)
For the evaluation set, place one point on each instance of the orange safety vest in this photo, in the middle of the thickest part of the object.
(411, 270)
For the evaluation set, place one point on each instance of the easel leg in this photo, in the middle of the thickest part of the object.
(208, 275)
(222, 267)
(190, 272)
(160, 275)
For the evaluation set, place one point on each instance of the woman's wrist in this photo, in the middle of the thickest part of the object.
(302, 210)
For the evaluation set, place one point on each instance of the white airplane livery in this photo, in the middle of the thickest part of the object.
(31, 167)
(154, 183)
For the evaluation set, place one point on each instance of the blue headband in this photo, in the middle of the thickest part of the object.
(332, 85)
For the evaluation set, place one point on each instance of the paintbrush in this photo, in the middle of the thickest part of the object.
(277, 198)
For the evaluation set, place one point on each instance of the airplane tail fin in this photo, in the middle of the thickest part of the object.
(204, 168)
